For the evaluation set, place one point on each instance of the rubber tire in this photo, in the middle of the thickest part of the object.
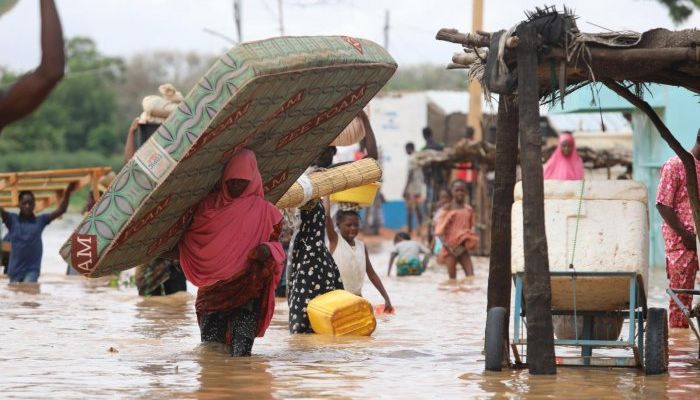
(656, 342)
(495, 323)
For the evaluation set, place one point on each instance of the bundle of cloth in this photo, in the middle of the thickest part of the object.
(156, 109)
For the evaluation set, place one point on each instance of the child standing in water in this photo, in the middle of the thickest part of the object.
(407, 252)
(350, 254)
(25, 235)
(455, 229)
(444, 200)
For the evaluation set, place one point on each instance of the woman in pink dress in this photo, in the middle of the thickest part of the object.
(564, 164)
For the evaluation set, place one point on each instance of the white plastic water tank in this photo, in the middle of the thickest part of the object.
(613, 235)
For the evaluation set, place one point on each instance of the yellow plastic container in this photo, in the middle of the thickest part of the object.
(362, 195)
(341, 313)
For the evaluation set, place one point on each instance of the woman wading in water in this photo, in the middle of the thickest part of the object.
(232, 253)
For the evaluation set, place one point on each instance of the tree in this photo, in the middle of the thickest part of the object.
(680, 10)
(80, 111)
(146, 71)
(427, 77)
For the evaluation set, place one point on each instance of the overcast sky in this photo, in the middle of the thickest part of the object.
(125, 27)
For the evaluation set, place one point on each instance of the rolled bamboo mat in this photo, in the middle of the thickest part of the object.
(324, 183)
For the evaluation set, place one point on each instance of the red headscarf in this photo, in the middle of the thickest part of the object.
(561, 167)
(224, 229)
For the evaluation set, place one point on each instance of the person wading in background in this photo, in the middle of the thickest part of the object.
(413, 191)
(678, 230)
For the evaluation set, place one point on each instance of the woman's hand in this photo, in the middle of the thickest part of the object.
(262, 253)
(134, 126)
(388, 308)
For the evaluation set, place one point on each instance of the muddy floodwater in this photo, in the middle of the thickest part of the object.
(70, 337)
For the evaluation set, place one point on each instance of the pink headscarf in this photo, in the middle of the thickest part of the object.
(561, 167)
(224, 229)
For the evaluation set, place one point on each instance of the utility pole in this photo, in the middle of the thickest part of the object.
(386, 29)
(237, 19)
(281, 17)
(481, 200)
(474, 114)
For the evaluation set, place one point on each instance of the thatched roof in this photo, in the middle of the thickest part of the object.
(569, 57)
(660, 56)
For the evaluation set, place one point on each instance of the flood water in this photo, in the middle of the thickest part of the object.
(70, 337)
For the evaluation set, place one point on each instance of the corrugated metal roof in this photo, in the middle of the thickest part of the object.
(457, 101)
(590, 122)
(453, 101)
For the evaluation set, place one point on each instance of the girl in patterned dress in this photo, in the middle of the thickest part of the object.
(313, 271)
(456, 231)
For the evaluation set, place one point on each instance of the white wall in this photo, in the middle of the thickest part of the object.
(397, 119)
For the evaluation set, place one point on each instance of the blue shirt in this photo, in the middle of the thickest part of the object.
(27, 247)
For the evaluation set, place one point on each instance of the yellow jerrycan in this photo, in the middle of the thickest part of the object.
(341, 313)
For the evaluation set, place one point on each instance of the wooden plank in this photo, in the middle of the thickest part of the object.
(540, 336)
(499, 285)
(7, 180)
(41, 188)
(588, 293)
(48, 186)
(83, 178)
(62, 172)
(45, 181)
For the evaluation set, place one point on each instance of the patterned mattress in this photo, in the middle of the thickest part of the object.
(283, 98)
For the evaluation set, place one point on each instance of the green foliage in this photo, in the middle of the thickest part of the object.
(85, 119)
(680, 10)
(427, 77)
(79, 114)
(102, 139)
(41, 160)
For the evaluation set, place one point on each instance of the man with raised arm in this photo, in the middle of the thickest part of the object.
(25, 95)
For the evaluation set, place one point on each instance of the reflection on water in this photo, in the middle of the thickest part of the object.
(56, 340)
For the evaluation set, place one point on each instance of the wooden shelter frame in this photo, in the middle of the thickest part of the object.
(546, 59)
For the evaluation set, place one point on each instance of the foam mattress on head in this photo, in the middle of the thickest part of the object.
(285, 99)
(613, 228)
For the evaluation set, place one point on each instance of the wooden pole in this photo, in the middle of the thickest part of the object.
(687, 159)
(504, 183)
(474, 114)
(281, 17)
(474, 121)
(538, 293)
(237, 17)
(386, 29)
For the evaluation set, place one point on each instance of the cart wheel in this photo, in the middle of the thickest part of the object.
(656, 342)
(495, 323)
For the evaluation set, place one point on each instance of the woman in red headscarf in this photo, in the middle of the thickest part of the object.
(232, 253)
(565, 164)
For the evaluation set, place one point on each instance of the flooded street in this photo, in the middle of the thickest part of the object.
(74, 338)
